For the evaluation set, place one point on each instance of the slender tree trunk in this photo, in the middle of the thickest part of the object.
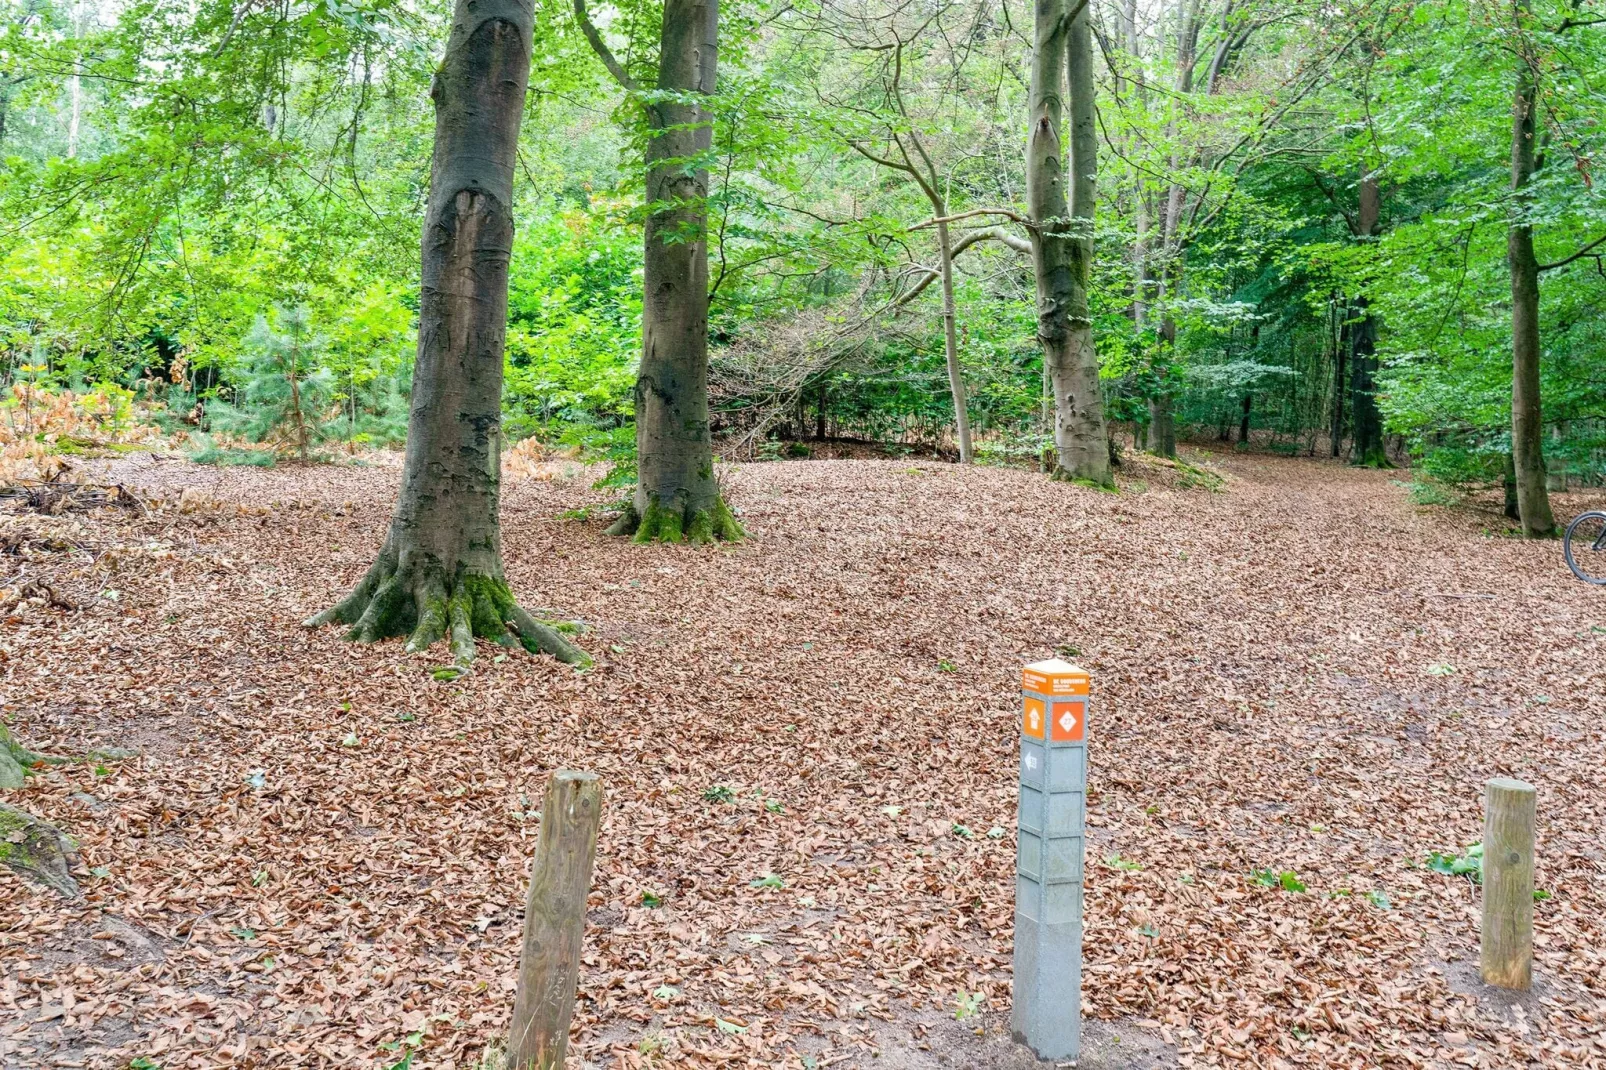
(1527, 445)
(1243, 423)
(1367, 421)
(677, 496)
(1062, 245)
(1340, 351)
(439, 572)
(950, 341)
(1510, 485)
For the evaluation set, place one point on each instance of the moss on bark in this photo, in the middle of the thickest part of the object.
(477, 607)
(37, 850)
(677, 522)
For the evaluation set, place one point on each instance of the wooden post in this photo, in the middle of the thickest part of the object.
(1507, 947)
(554, 921)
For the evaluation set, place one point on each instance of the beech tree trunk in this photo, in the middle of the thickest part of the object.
(1366, 421)
(677, 497)
(1527, 445)
(439, 572)
(950, 340)
(1062, 246)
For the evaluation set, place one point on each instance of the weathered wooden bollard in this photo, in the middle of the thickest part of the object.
(554, 921)
(1506, 952)
(1046, 1013)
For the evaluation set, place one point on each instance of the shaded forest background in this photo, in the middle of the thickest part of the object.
(214, 208)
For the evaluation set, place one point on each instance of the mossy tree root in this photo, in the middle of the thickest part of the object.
(37, 850)
(420, 604)
(678, 522)
(1065, 475)
(16, 760)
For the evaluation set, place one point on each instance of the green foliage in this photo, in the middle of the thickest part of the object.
(1287, 880)
(1467, 863)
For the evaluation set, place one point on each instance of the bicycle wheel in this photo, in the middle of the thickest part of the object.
(1585, 547)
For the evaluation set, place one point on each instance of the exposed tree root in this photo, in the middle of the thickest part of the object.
(1065, 475)
(34, 848)
(678, 522)
(418, 603)
(15, 759)
(38, 850)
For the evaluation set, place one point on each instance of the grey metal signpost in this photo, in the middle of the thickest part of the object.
(1051, 830)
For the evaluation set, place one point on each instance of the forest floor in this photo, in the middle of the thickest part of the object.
(809, 746)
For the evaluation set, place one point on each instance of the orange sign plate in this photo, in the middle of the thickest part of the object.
(1054, 678)
(1069, 724)
(1032, 721)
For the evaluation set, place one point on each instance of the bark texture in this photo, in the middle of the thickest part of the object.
(1527, 443)
(555, 921)
(439, 573)
(1062, 247)
(1366, 420)
(677, 497)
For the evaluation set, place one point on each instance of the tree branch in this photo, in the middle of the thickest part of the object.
(1007, 213)
(600, 47)
(1579, 255)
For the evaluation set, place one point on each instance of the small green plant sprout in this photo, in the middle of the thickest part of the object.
(755, 938)
(1125, 864)
(582, 513)
(1379, 898)
(729, 1028)
(1149, 930)
(144, 1062)
(651, 1044)
(944, 665)
(1287, 880)
(651, 900)
(892, 811)
(1440, 668)
(1541, 894)
(239, 932)
(774, 806)
(718, 793)
(768, 880)
(406, 717)
(997, 832)
(962, 831)
(1468, 863)
(351, 740)
(665, 993)
(968, 1005)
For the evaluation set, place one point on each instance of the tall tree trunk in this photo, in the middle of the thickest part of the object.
(1340, 350)
(1243, 423)
(950, 340)
(677, 496)
(439, 572)
(1527, 446)
(1062, 245)
(1366, 420)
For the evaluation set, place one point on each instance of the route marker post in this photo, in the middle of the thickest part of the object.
(1046, 1013)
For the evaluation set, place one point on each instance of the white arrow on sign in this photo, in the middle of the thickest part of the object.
(1036, 726)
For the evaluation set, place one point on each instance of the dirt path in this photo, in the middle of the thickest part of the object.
(319, 862)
